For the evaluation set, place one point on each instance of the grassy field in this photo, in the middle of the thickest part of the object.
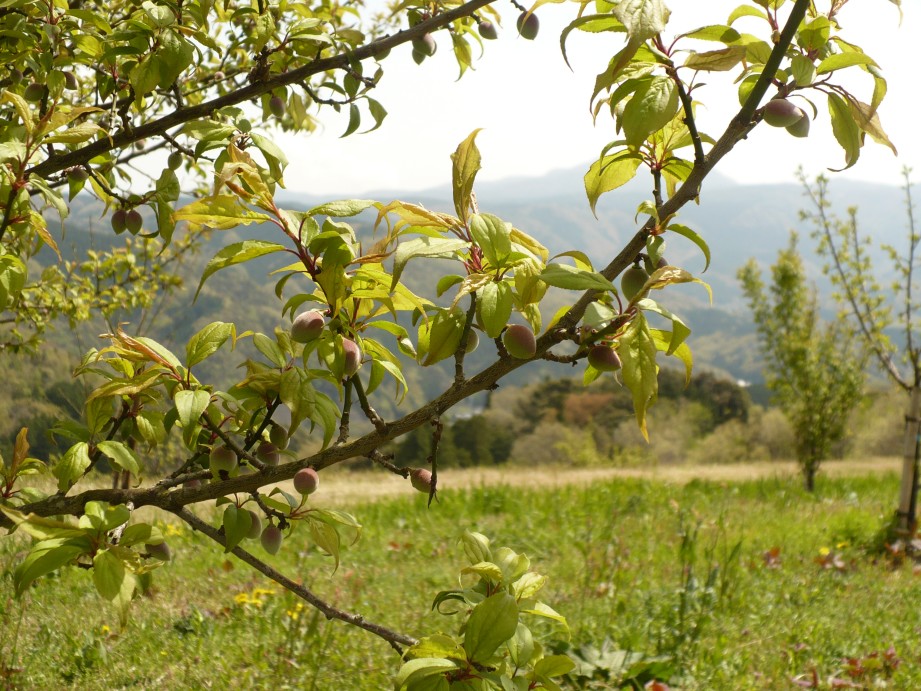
(721, 583)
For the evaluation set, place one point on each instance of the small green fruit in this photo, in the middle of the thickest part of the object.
(520, 342)
(119, 221)
(633, 280)
(307, 326)
(267, 452)
(277, 106)
(222, 458)
(421, 479)
(134, 221)
(604, 358)
(528, 26)
(473, 340)
(255, 526)
(800, 128)
(34, 92)
(781, 113)
(70, 81)
(77, 175)
(159, 551)
(306, 481)
(174, 161)
(278, 435)
(353, 357)
(488, 30)
(271, 538)
(425, 45)
(418, 57)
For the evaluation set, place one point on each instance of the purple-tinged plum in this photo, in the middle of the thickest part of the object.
(488, 30)
(222, 459)
(800, 128)
(134, 221)
(520, 342)
(271, 538)
(267, 452)
(307, 326)
(604, 358)
(306, 481)
(528, 25)
(353, 357)
(70, 81)
(781, 113)
(425, 45)
(159, 551)
(277, 106)
(421, 479)
(255, 526)
(119, 221)
(34, 92)
(633, 280)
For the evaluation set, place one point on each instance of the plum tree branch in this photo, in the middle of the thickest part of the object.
(394, 638)
(160, 126)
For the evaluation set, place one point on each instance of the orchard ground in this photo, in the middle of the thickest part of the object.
(718, 577)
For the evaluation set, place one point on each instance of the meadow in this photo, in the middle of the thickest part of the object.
(716, 583)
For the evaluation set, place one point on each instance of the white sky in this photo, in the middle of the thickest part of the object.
(535, 113)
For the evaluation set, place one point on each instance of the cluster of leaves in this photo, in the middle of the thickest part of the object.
(495, 648)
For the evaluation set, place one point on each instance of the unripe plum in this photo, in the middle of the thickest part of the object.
(77, 175)
(134, 221)
(528, 26)
(271, 538)
(800, 128)
(473, 340)
(267, 452)
(633, 280)
(306, 481)
(119, 221)
(425, 45)
(277, 106)
(255, 526)
(488, 30)
(307, 326)
(418, 57)
(781, 113)
(159, 551)
(222, 458)
(604, 358)
(353, 357)
(520, 342)
(421, 479)
(70, 81)
(278, 435)
(174, 160)
(34, 92)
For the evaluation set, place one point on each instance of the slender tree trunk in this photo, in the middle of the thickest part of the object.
(809, 470)
(909, 491)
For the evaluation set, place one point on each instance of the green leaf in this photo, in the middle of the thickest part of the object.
(220, 212)
(680, 330)
(651, 108)
(610, 173)
(422, 668)
(237, 253)
(47, 556)
(494, 307)
(839, 61)
(108, 574)
(574, 278)
(354, 121)
(465, 163)
(663, 340)
(70, 467)
(554, 666)
(803, 70)
(643, 19)
(720, 60)
(440, 336)
(845, 129)
(521, 645)
(594, 23)
(237, 523)
(326, 538)
(207, 342)
(485, 570)
(492, 623)
(190, 405)
(493, 236)
(686, 232)
(433, 248)
(344, 208)
(12, 279)
(121, 455)
(438, 646)
(637, 352)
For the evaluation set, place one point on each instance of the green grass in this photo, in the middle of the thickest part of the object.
(617, 570)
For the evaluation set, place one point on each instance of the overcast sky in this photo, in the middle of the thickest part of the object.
(535, 111)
